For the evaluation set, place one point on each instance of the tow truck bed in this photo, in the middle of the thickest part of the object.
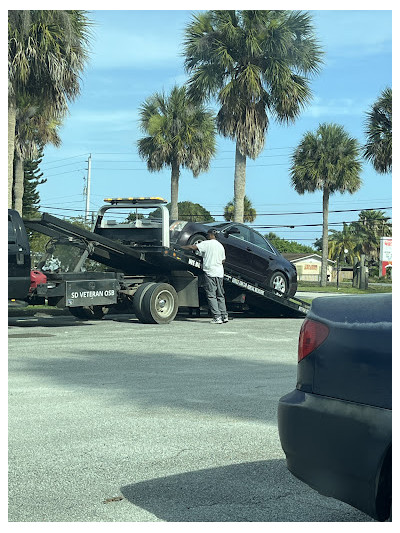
(154, 260)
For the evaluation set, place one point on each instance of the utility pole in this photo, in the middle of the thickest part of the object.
(89, 169)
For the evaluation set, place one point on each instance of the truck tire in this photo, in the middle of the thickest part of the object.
(137, 302)
(93, 312)
(160, 304)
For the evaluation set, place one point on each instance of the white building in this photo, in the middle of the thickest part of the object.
(309, 266)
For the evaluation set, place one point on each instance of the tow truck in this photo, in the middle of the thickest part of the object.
(147, 275)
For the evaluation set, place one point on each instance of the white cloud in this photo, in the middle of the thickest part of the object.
(335, 107)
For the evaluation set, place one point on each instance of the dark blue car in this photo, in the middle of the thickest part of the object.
(336, 426)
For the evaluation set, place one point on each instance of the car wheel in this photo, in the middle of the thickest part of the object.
(196, 238)
(279, 284)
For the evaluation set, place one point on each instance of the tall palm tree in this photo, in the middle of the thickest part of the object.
(257, 64)
(47, 51)
(180, 134)
(378, 129)
(327, 160)
(249, 214)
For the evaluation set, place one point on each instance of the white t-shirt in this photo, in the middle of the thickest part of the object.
(213, 253)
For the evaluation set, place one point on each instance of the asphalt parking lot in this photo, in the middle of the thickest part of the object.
(118, 421)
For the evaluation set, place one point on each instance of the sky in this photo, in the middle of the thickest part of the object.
(137, 53)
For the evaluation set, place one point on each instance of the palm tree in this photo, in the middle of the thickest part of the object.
(257, 64)
(378, 130)
(342, 244)
(327, 160)
(47, 51)
(180, 134)
(249, 214)
(371, 226)
(35, 126)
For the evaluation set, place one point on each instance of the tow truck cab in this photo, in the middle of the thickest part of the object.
(19, 258)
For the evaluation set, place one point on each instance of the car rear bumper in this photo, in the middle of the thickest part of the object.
(336, 447)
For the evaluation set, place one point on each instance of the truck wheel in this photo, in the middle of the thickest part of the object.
(137, 302)
(99, 311)
(160, 304)
(93, 312)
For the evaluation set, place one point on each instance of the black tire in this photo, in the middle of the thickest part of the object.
(279, 284)
(93, 312)
(137, 302)
(197, 237)
(160, 304)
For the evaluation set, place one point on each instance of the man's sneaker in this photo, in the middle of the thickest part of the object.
(217, 320)
(225, 319)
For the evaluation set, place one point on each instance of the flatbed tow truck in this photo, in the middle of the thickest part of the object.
(149, 277)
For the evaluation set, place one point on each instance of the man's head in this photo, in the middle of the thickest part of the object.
(211, 233)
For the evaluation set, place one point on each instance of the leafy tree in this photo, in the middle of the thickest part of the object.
(188, 211)
(257, 64)
(327, 160)
(288, 247)
(249, 214)
(32, 178)
(378, 129)
(180, 134)
(47, 51)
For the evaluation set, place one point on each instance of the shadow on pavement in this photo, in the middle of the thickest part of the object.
(262, 491)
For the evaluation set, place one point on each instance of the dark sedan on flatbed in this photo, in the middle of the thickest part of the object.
(247, 252)
(336, 426)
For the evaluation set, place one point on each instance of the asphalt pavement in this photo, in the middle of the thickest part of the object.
(118, 421)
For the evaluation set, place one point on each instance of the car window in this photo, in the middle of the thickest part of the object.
(11, 231)
(259, 240)
(244, 233)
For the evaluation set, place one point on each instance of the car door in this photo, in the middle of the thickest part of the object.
(263, 258)
(236, 239)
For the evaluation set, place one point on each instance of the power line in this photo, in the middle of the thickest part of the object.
(216, 158)
(68, 172)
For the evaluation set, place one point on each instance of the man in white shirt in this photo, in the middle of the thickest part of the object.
(213, 254)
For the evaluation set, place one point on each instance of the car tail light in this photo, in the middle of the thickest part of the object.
(312, 335)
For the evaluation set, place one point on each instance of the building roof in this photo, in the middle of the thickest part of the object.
(294, 258)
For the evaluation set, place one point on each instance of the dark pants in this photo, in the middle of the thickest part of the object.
(215, 295)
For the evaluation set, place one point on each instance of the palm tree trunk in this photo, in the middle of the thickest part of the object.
(325, 210)
(11, 142)
(239, 185)
(18, 183)
(174, 190)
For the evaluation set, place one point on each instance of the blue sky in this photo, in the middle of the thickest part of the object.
(136, 53)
